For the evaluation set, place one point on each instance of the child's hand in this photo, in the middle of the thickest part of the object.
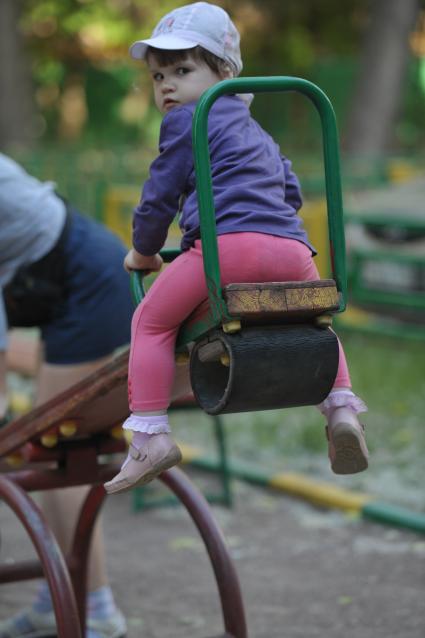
(135, 261)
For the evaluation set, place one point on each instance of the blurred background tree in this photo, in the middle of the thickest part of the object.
(381, 82)
(65, 75)
(17, 109)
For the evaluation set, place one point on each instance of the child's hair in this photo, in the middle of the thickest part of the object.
(166, 57)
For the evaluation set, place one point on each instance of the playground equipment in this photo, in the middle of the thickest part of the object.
(389, 269)
(75, 432)
(386, 263)
(82, 423)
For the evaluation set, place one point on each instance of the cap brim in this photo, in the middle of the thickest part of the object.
(165, 41)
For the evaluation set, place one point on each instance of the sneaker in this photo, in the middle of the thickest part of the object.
(30, 624)
(142, 466)
(348, 451)
(112, 627)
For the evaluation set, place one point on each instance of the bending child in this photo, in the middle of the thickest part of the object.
(257, 198)
(60, 272)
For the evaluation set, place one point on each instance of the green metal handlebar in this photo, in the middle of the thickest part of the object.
(137, 287)
(204, 181)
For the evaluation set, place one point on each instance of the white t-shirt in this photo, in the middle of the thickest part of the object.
(31, 219)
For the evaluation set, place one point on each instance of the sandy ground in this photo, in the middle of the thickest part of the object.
(304, 572)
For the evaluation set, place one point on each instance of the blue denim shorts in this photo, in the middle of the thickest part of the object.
(95, 316)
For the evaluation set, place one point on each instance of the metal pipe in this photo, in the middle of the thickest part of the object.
(51, 558)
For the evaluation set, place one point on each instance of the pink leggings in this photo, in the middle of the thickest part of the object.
(180, 289)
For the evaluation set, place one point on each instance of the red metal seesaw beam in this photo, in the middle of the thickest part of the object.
(97, 403)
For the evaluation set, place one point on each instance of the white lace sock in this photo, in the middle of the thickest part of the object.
(149, 423)
(341, 398)
(144, 426)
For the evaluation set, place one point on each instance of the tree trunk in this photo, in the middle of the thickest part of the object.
(378, 94)
(17, 112)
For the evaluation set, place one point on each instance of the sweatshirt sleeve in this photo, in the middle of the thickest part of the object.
(292, 185)
(167, 180)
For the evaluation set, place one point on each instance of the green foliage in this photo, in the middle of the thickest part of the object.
(85, 43)
(109, 88)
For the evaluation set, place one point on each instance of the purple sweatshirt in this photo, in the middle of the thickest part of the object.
(254, 187)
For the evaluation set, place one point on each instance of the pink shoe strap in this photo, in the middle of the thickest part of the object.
(136, 454)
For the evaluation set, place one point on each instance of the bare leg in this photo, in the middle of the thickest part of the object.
(61, 506)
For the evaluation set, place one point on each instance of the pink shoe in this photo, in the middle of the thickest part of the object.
(348, 451)
(159, 454)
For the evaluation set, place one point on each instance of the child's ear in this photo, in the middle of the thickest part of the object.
(226, 73)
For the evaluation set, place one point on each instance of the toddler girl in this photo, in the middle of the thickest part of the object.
(256, 196)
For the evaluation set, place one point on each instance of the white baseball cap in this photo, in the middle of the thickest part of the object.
(198, 24)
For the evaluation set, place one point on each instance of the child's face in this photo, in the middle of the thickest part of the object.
(181, 82)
